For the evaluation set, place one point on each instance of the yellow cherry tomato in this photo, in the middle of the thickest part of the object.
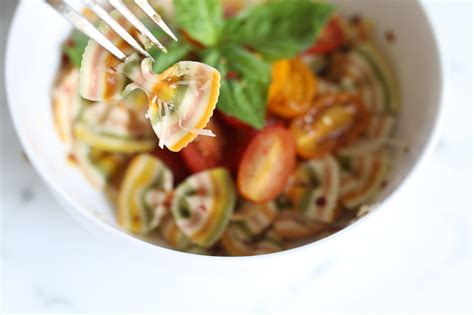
(293, 88)
(334, 120)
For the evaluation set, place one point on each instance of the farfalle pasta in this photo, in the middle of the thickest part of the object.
(271, 128)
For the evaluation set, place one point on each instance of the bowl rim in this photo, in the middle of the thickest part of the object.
(390, 199)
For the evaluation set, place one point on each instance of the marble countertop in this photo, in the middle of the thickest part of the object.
(418, 259)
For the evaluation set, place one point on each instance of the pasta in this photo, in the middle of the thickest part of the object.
(269, 129)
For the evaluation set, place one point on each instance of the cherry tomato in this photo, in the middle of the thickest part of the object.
(280, 71)
(205, 152)
(330, 38)
(232, 121)
(266, 165)
(271, 121)
(174, 161)
(292, 89)
(334, 120)
(236, 146)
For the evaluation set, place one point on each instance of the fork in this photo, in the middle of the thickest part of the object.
(83, 25)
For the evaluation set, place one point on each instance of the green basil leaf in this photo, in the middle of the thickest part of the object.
(247, 65)
(176, 52)
(243, 100)
(279, 29)
(201, 19)
(75, 46)
(212, 57)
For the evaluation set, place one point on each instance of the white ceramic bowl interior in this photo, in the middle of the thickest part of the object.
(31, 66)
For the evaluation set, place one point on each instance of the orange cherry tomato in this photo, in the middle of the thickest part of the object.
(280, 71)
(292, 89)
(334, 120)
(266, 165)
(330, 38)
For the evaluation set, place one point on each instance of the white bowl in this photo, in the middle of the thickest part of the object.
(33, 57)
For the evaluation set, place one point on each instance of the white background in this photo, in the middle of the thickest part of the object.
(417, 258)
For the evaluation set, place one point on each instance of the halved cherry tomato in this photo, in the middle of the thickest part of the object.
(330, 38)
(232, 121)
(235, 147)
(174, 161)
(205, 152)
(266, 165)
(292, 89)
(271, 121)
(334, 120)
(280, 71)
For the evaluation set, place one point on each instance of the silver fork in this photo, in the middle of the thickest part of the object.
(83, 25)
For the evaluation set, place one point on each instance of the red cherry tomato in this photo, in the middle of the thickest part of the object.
(266, 165)
(174, 161)
(330, 38)
(236, 146)
(205, 152)
(272, 120)
(232, 121)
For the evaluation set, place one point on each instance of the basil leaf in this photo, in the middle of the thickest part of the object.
(176, 52)
(279, 29)
(212, 57)
(247, 65)
(201, 19)
(243, 100)
(75, 46)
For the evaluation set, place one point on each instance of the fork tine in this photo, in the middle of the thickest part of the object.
(86, 27)
(125, 11)
(152, 14)
(105, 16)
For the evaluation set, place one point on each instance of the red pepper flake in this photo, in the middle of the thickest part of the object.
(390, 36)
(232, 75)
(355, 19)
(202, 208)
(201, 192)
(384, 184)
(321, 202)
(169, 200)
(250, 48)
(70, 43)
(136, 219)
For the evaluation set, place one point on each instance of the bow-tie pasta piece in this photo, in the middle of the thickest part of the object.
(202, 205)
(144, 192)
